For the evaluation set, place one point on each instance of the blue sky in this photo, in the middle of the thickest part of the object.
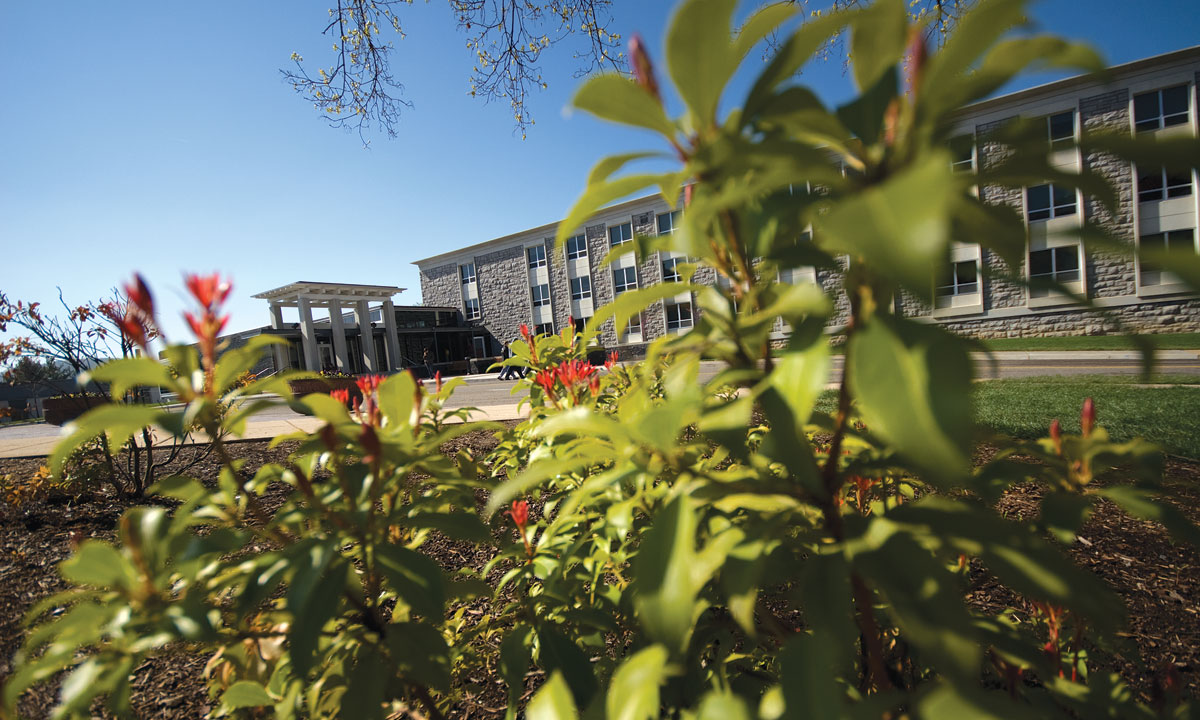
(159, 137)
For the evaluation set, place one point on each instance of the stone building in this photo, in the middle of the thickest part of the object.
(520, 278)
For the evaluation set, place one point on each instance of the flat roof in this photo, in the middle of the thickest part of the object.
(329, 291)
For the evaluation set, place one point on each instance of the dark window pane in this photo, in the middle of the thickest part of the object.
(1063, 196)
(965, 272)
(1181, 241)
(1145, 110)
(1174, 105)
(1149, 186)
(1066, 258)
(1040, 263)
(1179, 185)
(1062, 127)
(1037, 199)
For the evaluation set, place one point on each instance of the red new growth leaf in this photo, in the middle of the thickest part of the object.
(209, 290)
(1087, 418)
(1056, 436)
(643, 70)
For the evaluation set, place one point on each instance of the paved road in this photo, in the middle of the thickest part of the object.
(496, 401)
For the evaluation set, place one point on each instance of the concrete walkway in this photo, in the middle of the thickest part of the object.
(494, 399)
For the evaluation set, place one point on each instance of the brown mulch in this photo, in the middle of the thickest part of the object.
(1159, 582)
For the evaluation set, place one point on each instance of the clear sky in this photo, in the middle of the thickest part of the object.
(158, 136)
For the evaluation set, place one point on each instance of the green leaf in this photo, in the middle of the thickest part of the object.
(975, 32)
(956, 701)
(557, 654)
(515, 655)
(877, 41)
(664, 589)
(99, 564)
(246, 694)
(597, 196)
(365, 687)
(552, 701)
(723, 705)
(807, 670)
(125, 373)
(633, 693)
(797, 50)
(622, 100)
(913, 382)
(421, 653)
(1144, 505)
(902, 225)
(235, 363)
(312, 598)
(415, 577)
(118, 422)
(700, 57)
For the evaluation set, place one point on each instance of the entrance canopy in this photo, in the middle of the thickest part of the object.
(304, 296)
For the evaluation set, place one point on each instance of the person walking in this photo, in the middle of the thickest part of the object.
(427, 359)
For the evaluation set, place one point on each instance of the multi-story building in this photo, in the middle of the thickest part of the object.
(521, 278)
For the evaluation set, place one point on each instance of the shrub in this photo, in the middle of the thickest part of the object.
(679, 549)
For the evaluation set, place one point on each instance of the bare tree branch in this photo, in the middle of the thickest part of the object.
(357, 90)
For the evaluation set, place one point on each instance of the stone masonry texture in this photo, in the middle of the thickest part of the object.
(1110, 276)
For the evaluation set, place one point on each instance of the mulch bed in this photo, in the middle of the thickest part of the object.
(1158, 581)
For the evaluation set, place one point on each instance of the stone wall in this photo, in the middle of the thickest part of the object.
(998, 293)
(654, 317)
(1110, 274)
(602, 284)
(441, 286)
(1163, 316)
(560, 288)
(503, 278)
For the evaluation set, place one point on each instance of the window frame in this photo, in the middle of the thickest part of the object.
(468, 314)
(1163, 191)
(540, 261)
(1053, 209)
(619, 287)
(462, 275)
(672, 275)
(1159, 119)
(544, 329)
(1054, 270)
(581, 250)
(542, 301)
(672, 218)
(582, 293)
(956, 286)
(621, 229)
(679, 322)
(1062, 141)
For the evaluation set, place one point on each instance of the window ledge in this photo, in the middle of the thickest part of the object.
(955, 311)
(1052, 300)
(1164, 289)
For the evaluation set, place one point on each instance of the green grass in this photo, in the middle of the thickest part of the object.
(1177, 341)
(1024, 408)
(1168, 416)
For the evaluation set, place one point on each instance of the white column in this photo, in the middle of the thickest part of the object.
(363, 316)
(339, 336)
(280, 351)
(308, 336)
(393, 337)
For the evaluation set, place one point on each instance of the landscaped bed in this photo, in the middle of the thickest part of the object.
(1159, 583)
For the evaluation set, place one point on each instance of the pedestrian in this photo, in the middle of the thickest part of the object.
(427, 359)
(506, 372)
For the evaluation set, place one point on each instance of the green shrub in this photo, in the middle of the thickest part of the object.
(681, 550)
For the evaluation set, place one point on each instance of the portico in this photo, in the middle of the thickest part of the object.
(360, 333)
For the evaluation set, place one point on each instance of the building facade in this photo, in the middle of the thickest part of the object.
(521, 278)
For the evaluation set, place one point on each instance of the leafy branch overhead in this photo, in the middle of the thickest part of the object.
(357, 89)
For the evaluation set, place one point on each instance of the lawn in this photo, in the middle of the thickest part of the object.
(1176, 341)
(1169, 416)
(1024, 408)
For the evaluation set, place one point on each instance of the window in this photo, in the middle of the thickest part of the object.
(536, 255)
(624, 279)
(544, 329)
(576, 247)
(1062, 129)
(581, 287)
(634, 327)
(667, 222)
(620, 234)
(1059, 263)
(467, 272)
(1049, 201)
(1160, 108)
(471, 309)
(1170, 242)
(580, 323)
(961, 278)
(670, 272)
(679, 316)
(480, 343)
(541, 295)
(962, 153)
(1160, 184)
